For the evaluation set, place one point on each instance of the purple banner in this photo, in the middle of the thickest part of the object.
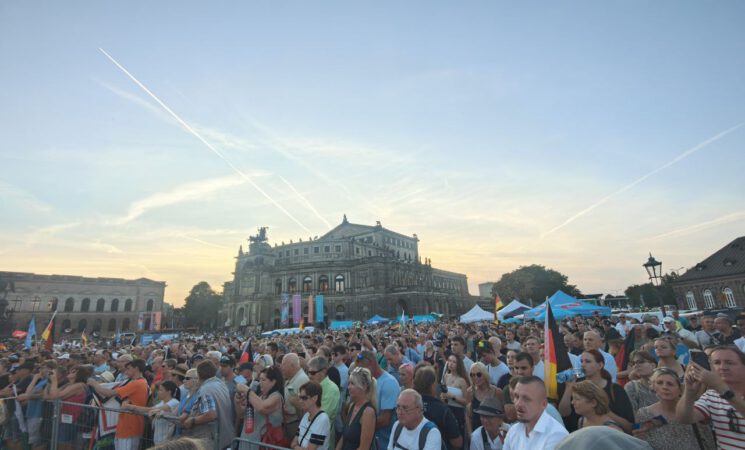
(297, 309)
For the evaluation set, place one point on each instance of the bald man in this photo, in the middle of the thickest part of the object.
(593, 341)
(296, 377)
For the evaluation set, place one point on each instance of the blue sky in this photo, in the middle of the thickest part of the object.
(578, 135)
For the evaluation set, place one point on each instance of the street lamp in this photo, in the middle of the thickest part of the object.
(654, 270)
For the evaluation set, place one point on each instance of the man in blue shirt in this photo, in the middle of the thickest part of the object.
(387, 390)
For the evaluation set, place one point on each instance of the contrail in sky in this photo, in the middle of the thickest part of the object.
(734, 217)
(307, 203)
(204, 141)
(675, 160)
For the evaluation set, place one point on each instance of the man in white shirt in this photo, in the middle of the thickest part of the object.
(458, 347)
(593, 341)
(492, 432)
(535, 428)
(496, 367)
(411, 424)
(623, 326)
(296, 377)
(532, 346)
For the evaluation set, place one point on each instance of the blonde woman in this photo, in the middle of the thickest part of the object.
(591, 403)
(480, 390)
(359, 422)
(665, 350)
(191, 381)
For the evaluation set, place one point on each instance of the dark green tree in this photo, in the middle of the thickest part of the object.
(653, 296)
(202, 306)
(532, 283)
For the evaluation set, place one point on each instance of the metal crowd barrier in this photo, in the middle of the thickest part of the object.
(76, 426)
(248, 444)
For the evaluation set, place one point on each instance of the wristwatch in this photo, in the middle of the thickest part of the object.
(728, 394)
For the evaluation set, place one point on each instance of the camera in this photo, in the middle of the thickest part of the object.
(443, 388)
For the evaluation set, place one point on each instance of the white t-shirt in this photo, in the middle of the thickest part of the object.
(163, 429)
(317, 434)
(409, 439)
(496, 372)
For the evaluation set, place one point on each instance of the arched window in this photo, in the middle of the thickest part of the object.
(730, 297)
(339, 312)
(69, 304)
(128, 306)
(97, 325)
(115, 305)
(323, 284)
(112, 324)
(100, 304)
(292, 286)
(339, 283)
(149, 305)
(690, 300)
(86, 305)
(278, 286)
(708, 299)
(81, 325)
(66, 325)
(307, 284)
(125, 324)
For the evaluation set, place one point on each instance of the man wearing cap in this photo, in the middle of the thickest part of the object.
(227, 366)
(671, 329)
(490, 435)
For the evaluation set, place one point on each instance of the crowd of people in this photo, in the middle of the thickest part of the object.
(676, 384)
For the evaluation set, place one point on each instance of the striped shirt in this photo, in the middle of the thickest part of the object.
(723, 417)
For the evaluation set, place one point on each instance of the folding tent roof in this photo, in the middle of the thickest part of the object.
(564, 305)
(376, 319)
(512, 309)
(476, 314)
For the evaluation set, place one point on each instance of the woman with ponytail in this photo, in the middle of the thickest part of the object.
(169, 395)
(619, 404)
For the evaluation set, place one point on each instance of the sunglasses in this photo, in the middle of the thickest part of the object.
(313, 372)
(734, 424)
(476, 374)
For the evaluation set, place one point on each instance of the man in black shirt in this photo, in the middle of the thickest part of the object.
(425, 383)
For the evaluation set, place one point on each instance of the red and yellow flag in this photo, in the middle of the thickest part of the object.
(84, 338)
(555, 355)
(302, 324)
(497, 306)
(48, 334)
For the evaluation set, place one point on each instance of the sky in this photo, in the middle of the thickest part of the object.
(150, 139)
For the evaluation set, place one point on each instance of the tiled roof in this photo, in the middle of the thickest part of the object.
(730, 260)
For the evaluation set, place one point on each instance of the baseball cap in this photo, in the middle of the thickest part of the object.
(227, 360)
(668, 319)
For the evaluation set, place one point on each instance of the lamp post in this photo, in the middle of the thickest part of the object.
(654, 270)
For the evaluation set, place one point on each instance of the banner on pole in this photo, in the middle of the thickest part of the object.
(319, 308)
(284, 312)
(310, 310)
(297, 309)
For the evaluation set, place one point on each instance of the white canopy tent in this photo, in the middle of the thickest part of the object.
(476, 314)
(512, 309)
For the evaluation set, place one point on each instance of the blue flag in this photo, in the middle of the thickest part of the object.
(31, 333)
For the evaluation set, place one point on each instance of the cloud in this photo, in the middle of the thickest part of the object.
(26, 198)
(184, 193)
(47, 232)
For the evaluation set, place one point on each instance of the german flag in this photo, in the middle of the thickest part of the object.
(555, 355)
(497, 306)
(48, 334)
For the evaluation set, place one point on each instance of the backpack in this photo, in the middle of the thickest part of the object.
(423, 432)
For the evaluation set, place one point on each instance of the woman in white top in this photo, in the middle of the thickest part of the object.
(456, 382)
(313, 433)
(163, 429)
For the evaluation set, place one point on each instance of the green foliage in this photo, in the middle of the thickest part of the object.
(653, 296)
(533, 282)
(202, 306)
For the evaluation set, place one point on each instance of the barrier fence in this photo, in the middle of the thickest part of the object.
(60, 425)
